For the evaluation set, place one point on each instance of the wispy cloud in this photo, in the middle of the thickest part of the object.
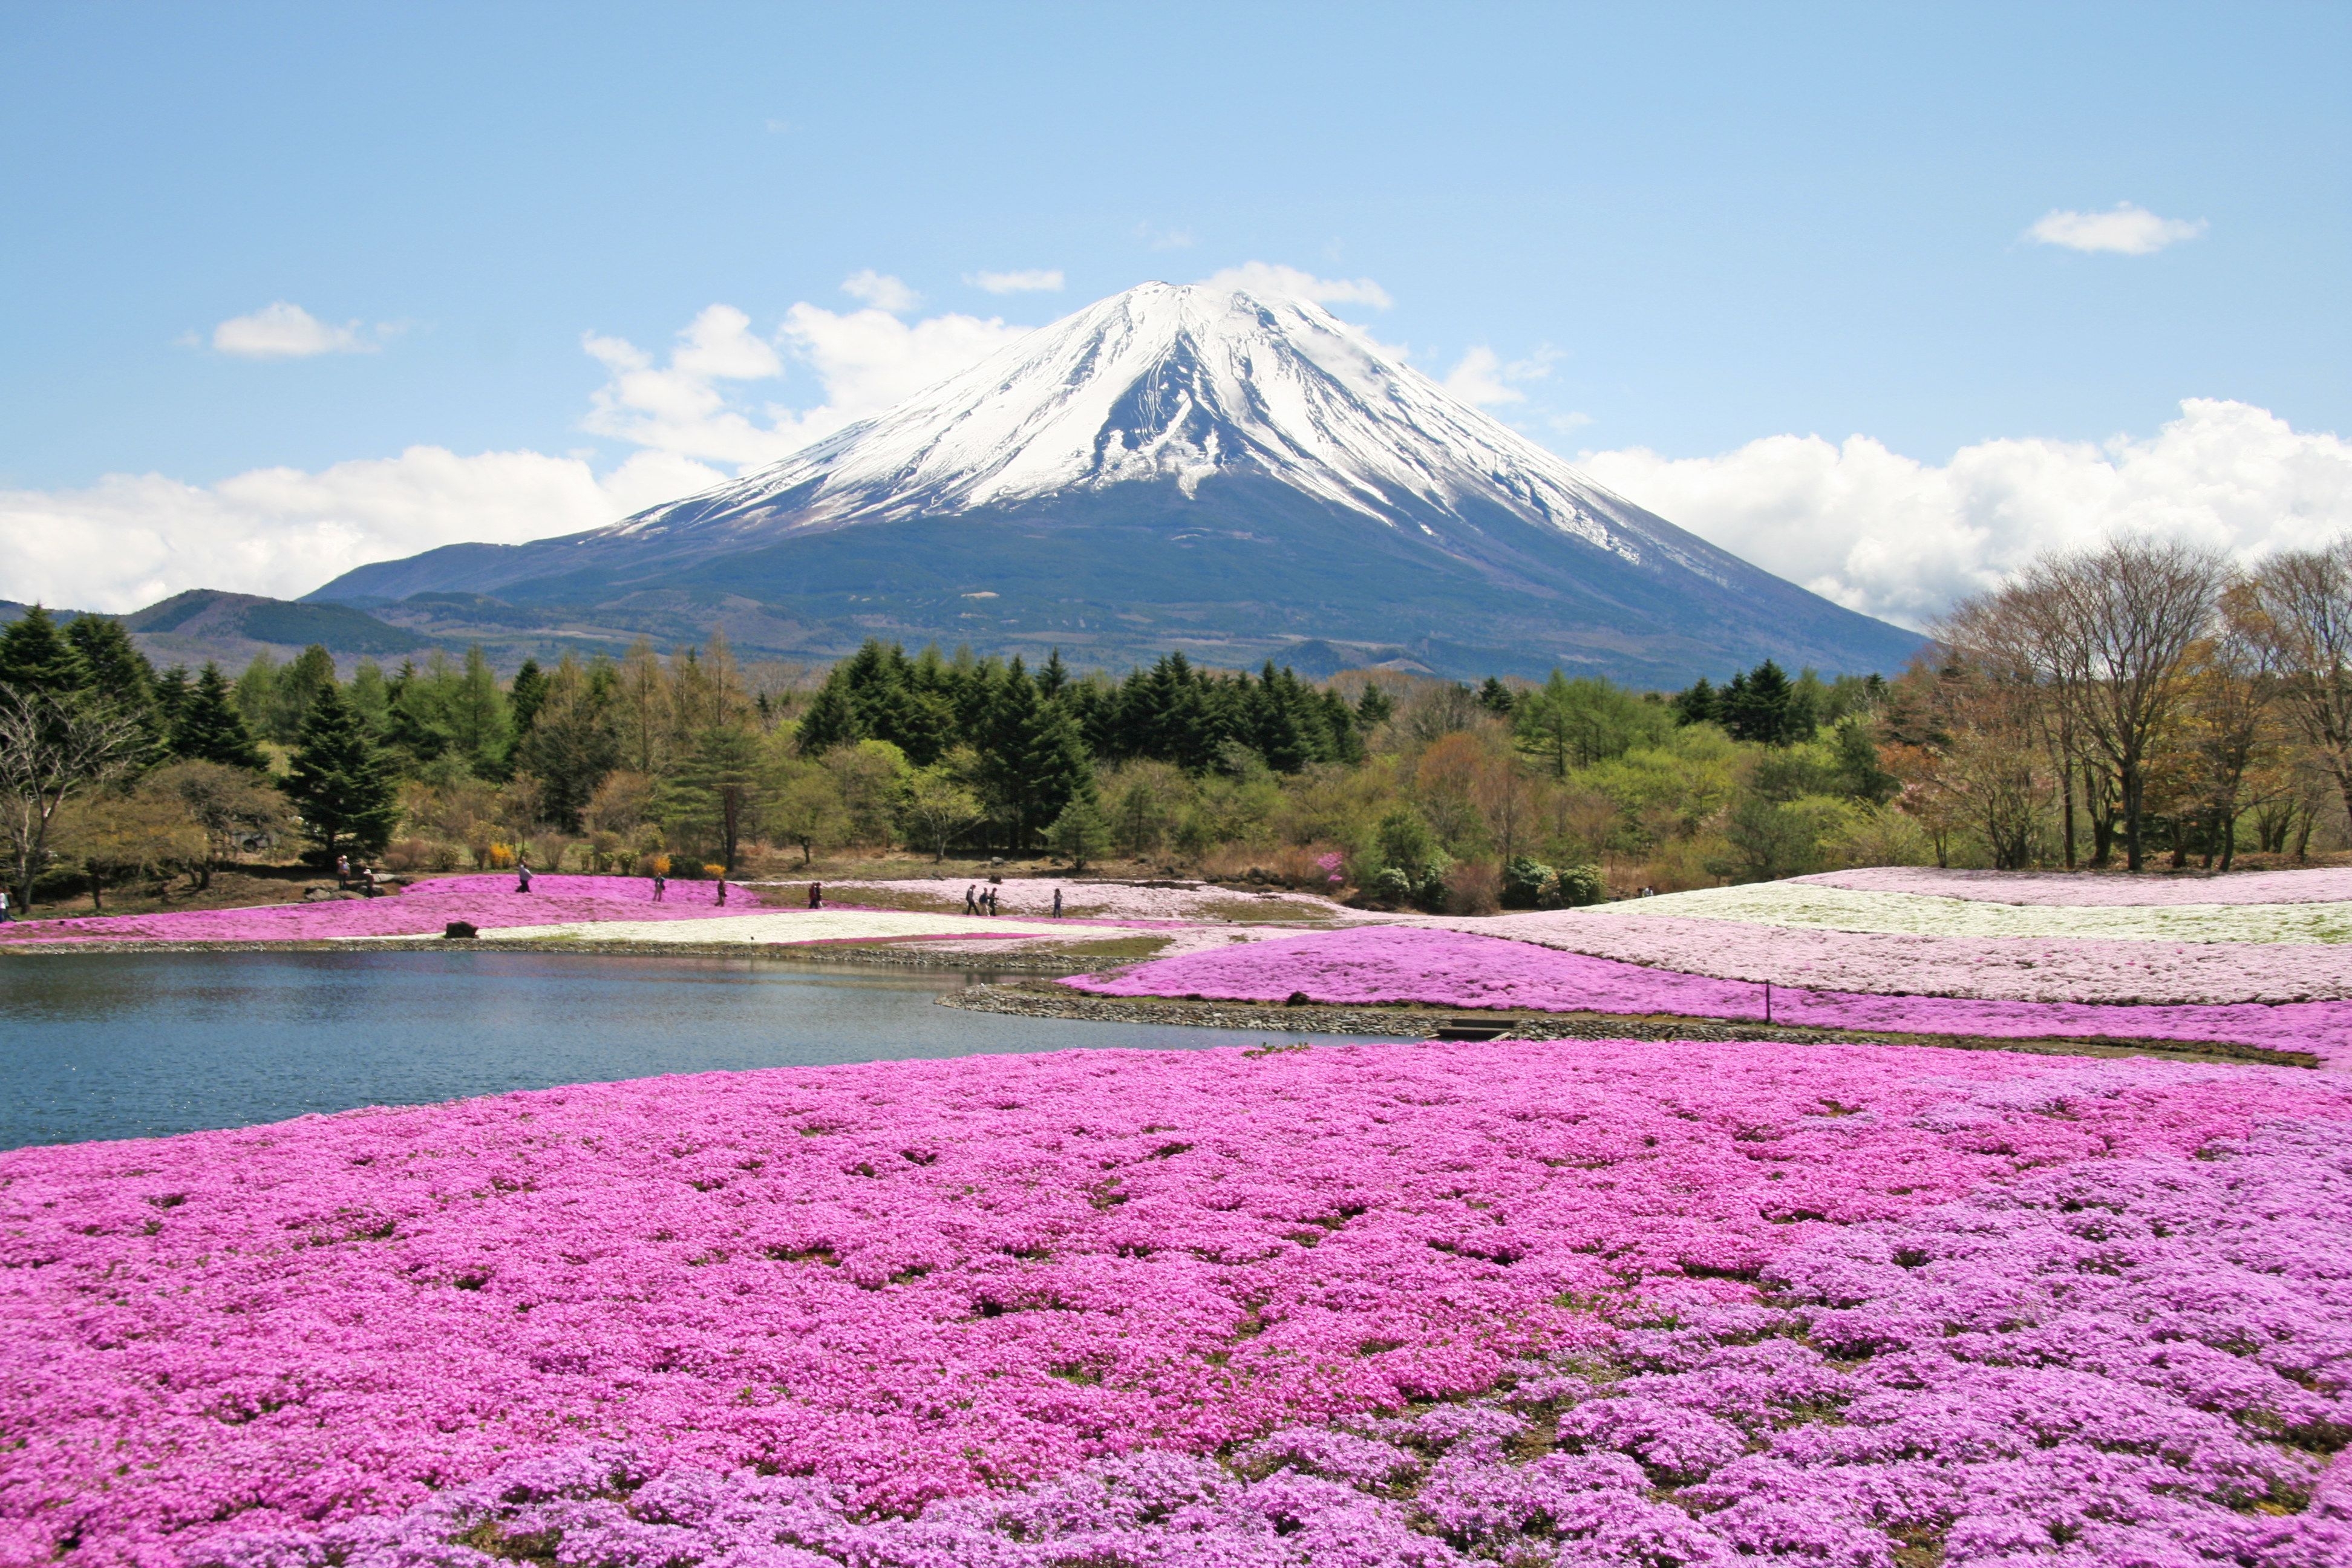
(1159, 239)
(2126, 230)
(1482, 378)
(880, 290)
(284, 331)
(1269, 278)
(1035, 280)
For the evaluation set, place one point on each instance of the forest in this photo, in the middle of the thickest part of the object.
(2138, 705)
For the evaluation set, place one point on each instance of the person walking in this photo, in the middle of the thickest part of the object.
(1057, 903)
(343, 870)
(523, 876)
(992, 903)
(4, 916)
(661, 886)
(816, 895)
(722, 890)
(970, 900)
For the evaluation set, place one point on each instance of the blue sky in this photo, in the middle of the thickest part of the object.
(1678, 232)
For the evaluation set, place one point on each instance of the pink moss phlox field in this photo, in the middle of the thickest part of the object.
(2319, 885)
(917, 1281)
(2139, 1360)
(1449, 969)
(1993, 969)
(423, 909)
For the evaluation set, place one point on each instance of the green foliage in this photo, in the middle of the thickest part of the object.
(935, 807)
(35, 657)
(1580, 884)
(340, 782)
(1496, 698)
(210, 728)
(1526, 881)
(574, 740)
(1078, 835)
(1769, 839)
(1409, 864)
(714, 798)
(526, 695)
(1568, 724)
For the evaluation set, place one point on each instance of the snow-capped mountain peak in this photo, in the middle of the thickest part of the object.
(1175, 383)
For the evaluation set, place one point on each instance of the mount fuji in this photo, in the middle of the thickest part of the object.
(1240, 475)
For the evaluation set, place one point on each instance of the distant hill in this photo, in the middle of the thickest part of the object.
(1176, 467)
(210, 614)
(230, 628)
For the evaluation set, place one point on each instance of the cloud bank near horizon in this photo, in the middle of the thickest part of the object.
(1879, 532)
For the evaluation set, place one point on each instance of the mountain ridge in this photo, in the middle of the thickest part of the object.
(1179, 466)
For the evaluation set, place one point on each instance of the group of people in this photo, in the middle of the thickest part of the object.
(979, 901)
(364, 876)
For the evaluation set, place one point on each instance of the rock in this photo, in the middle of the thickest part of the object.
(459, 929)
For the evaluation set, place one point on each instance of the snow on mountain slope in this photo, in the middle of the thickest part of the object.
(1170, 381)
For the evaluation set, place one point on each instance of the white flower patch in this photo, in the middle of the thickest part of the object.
(1820, 906)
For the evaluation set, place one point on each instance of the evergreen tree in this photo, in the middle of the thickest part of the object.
(575, 739)
(716, 796)
(1496, 698)
(529, 691)
(257, 694)
(120, 674)
(1698, 703)
(370, 696)
(1373, 708)
(298, 688)
(1756, 706)
(173, 688)
(1079, 833)
(829, 722)
(210, 728)
(35, 657)
(339, 782)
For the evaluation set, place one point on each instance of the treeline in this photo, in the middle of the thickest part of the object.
(2142, 698)
(2124, 704)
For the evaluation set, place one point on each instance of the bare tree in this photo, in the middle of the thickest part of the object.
(52, 746)
(2121, 621)
(2298, 608)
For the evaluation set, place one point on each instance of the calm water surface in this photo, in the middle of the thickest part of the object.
(133, 1045)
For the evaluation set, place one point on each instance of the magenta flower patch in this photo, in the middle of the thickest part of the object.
(1354, 1305)
(1452, 969)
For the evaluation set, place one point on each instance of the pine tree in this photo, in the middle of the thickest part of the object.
(35, 657)
(1496, 698)
(210, 728)
(120, 675)
(339, 782)
(1698, 703)
(829, 722)
(1373, 708)
(525, 696)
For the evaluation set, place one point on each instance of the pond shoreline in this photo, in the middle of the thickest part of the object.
(1031, 1000)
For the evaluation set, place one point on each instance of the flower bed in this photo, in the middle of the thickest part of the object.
(1450, 969)
(2319, 885)
(2011, 1371)
(989, 1278)
(422, 910)
(1823, 907)
(1992, 969)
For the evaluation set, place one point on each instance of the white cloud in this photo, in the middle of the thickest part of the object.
(1901, 538)
(284, 331)
(133, 539)
(1036, 280)
(2128, 230)
(1484, 379)
(880, 290)
(1160, 238)
(1266, 277)
(865, 360)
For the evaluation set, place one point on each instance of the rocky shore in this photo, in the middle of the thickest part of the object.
(1035, 999)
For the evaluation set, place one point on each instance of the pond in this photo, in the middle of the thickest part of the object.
(136, 1044)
